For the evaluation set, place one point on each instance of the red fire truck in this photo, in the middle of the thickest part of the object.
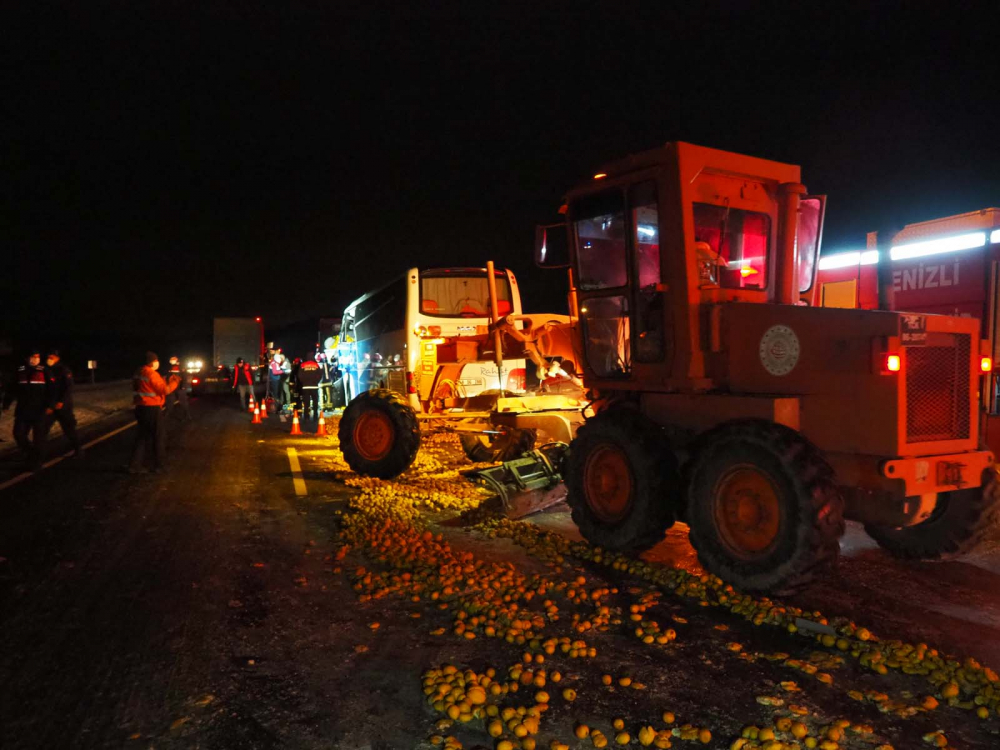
(949, 266)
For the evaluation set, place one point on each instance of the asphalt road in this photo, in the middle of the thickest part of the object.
(128, 601)
(206, 608)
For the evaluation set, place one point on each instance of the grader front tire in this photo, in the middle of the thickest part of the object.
(764, 512)
(621, 481)
(379, 434)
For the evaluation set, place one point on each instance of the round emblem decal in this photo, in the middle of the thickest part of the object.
(779, 350)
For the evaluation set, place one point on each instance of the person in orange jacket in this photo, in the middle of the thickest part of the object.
(150, 396)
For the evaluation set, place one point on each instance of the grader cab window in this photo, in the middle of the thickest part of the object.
(606, 336)
(599, 222)
(738, 243)
(649, 343)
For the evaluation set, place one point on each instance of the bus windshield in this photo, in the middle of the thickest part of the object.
(462, 295)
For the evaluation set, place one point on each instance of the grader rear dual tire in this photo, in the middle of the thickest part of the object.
(957, 525)
(621, 480)
(763, 509)
(379, 434)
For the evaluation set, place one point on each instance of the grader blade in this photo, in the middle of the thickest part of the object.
(524, 485)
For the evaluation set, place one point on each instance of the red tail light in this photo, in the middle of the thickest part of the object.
(516, 380)
(195, 381)
(892, 363)
(410, 388)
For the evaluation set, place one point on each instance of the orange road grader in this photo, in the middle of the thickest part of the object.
(718, 397)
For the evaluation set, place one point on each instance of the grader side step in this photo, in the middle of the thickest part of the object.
(526, 484)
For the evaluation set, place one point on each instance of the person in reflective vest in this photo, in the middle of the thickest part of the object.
(309, 376)
(31, 391)
(60, 406)
(179, 404)
(243, 381)
(150, 395)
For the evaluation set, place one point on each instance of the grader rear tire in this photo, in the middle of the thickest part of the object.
(379, 434)
(958, 523)
(622, 481)
(764, 512)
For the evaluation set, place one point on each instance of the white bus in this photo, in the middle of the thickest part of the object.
(389, 337)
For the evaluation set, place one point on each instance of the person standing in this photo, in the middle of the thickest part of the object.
(277, 372)
(326, 379)
(150, 395)
(309, 377)
(286, 388)
(179, 405)
(243, 381)
(60, 396)
(31, 392)
(293, 381)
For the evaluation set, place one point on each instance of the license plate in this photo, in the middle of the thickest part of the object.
(950, 473)
(913, 330)
(470, 381)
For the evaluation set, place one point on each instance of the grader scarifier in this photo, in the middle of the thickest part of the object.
(718, 397)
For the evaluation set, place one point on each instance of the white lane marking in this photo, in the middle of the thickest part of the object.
(15, 480)
(52, 462)
(297, 480)
(104, 437)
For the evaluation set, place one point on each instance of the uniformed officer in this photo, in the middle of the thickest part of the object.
(60, 401)
(178, 401)
(309, 378)
(31, 393)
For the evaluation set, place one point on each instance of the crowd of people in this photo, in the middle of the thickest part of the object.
(302, 384)
(43, 394)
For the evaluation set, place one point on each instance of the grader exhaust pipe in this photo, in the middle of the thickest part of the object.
(494, 319)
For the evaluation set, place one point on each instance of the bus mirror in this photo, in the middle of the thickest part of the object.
(551, 246)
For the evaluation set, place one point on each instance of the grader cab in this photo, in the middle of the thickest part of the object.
(725, 401)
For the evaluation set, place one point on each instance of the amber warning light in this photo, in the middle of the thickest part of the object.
(892, 363)
(986, 364)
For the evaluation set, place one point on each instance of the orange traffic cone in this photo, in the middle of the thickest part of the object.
(263, 409)
(252, 404)
(256, 416)
(321, 428)
(296, 430)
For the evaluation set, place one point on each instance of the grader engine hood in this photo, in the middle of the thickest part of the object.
(876, 383)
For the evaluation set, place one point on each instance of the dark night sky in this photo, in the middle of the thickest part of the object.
(165, 162)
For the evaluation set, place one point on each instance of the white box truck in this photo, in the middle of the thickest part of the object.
(232, 338)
